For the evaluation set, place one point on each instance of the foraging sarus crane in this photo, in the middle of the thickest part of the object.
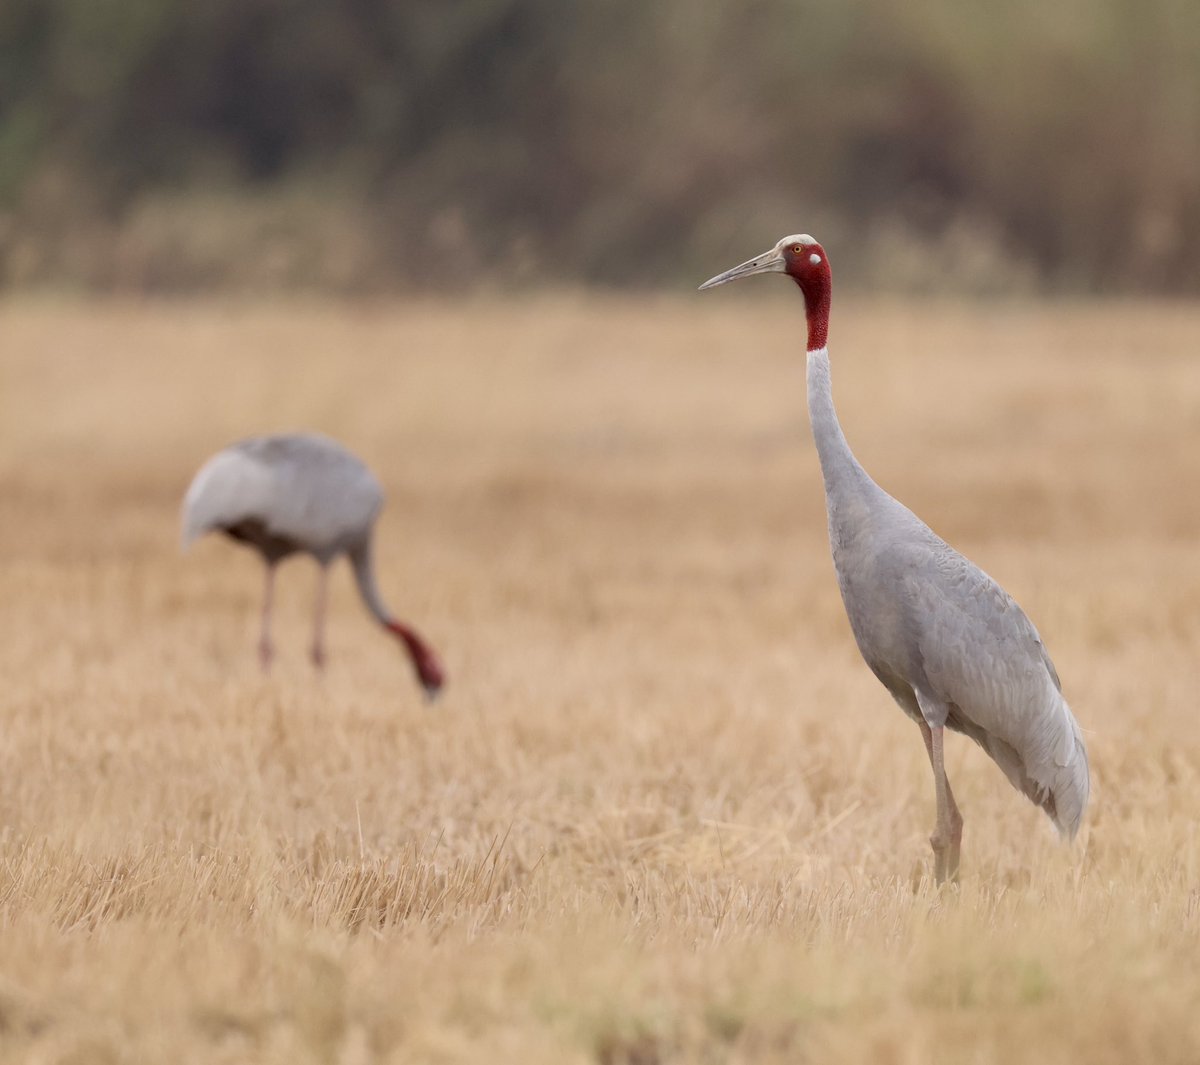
(301, 492)
(949, 644)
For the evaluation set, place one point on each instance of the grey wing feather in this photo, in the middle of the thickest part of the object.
(301, 486)
(984, 659)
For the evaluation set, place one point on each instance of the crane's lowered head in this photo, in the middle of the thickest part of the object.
(805, 262)
(425, 661)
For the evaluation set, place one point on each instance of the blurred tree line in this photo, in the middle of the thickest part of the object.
(359, 145)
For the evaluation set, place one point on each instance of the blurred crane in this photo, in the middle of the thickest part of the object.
(950, 645)
(300, 492)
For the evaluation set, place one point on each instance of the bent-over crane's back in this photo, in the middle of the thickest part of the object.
(301, 492)
(951, 646)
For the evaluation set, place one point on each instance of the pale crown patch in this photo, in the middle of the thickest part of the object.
(796, 238)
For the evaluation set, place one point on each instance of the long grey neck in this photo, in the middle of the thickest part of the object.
(362, 559)
(842, 473)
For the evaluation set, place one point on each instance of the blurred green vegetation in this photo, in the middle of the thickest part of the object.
(178, 145)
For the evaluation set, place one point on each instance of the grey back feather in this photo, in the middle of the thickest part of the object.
(303, 487)
(980, 660)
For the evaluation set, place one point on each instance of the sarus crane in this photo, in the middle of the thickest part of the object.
(951, 646)
(301, 493)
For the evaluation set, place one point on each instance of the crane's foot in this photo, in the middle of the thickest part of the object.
(946, 846)
(942, 869)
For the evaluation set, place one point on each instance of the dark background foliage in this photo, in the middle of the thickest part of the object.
(177, 145)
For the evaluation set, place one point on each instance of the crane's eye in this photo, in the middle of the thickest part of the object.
(796, 249)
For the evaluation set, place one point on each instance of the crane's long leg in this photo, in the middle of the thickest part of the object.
(947, 834)
(318, 644)
(266, 649)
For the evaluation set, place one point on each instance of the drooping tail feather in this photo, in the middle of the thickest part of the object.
(1067, 794)
(1052, 771)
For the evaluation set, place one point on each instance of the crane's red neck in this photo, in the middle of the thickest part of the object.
(425, 661)
(816, 305)
(806, 263)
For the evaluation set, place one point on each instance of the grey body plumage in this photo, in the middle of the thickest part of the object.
(951, 646)
(304, 491)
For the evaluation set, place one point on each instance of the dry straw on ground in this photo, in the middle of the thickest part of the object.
(663, 813)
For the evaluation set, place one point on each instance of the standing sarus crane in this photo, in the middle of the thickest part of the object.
(950, 645)
(301, 492)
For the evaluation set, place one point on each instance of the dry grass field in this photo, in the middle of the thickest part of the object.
(662, 813)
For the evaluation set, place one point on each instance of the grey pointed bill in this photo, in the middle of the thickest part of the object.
(769, 262)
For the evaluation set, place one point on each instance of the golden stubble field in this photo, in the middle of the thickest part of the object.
(663, 812)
